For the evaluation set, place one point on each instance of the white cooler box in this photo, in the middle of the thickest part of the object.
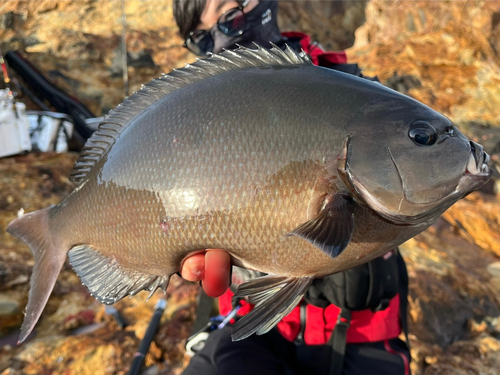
(50, 131)
(14, 127)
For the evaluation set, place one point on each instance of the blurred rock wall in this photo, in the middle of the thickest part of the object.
(444, 53)
(77, 43)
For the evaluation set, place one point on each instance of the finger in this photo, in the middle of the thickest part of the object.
(217, 272)
(193, 268)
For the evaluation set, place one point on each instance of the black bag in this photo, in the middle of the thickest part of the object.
(368, 286)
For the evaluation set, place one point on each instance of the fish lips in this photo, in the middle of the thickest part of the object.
(477, 172)
(478, 160)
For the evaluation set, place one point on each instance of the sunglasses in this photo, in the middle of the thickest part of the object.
(231, 23)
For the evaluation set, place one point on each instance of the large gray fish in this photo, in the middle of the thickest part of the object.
(295, 170)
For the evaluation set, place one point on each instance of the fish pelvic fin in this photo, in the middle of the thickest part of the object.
(49, 254)
(106, 280)
(273, 297)
(332, 229)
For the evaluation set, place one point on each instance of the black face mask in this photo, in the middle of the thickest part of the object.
(262, 29)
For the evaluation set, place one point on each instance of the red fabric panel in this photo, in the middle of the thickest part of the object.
(369, 326)
(225, 305)
(366, 325)
(318, 56)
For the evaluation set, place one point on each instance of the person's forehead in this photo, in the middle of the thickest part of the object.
(212, 11)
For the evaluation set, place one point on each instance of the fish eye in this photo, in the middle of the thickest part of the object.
(422, 133)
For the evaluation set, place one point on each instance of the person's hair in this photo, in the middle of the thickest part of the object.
(187, 14)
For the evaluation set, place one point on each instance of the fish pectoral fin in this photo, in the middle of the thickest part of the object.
(106, 280)
(273, 297)
(332, 229)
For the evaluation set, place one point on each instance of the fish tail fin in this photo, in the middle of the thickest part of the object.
(33, 229)
(273, 297)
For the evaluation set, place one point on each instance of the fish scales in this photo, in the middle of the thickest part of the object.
(257, 174)
(295, 170)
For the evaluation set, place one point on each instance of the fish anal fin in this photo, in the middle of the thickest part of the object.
(332, 229)
(106, 280)
(49, 256)
(274, 297)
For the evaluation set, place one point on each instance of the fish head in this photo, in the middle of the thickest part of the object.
(412, 163)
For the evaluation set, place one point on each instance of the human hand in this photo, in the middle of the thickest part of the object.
(212, 268)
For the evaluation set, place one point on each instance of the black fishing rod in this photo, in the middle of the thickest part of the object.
(148, 337)
(60, 100)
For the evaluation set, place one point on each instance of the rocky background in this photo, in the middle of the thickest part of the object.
(445, 54)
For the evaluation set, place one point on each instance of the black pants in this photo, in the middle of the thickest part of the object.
(272, 354)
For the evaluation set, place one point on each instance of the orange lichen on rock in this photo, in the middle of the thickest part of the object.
(452, 48)
(482, 226)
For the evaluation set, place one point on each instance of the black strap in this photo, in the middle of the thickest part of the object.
(299, 340)
(403, 297)
(338, 342)
(339, 335)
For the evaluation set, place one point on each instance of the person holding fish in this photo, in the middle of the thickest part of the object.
(307, 174)
(339, 312)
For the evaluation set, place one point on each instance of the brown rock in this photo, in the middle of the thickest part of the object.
(10, 314)
(480, 356)
(11, 371)
(422, 354)
(449, 285)
(8, 307)
(481, 227)
(332, 23)
(433, 41)
(77, 355)
(76, 42)
(450, 289)
(494, 271)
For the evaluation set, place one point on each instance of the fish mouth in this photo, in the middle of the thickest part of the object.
(476, 174)
(477, 164)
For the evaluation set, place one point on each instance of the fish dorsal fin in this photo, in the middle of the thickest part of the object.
(118, 119)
